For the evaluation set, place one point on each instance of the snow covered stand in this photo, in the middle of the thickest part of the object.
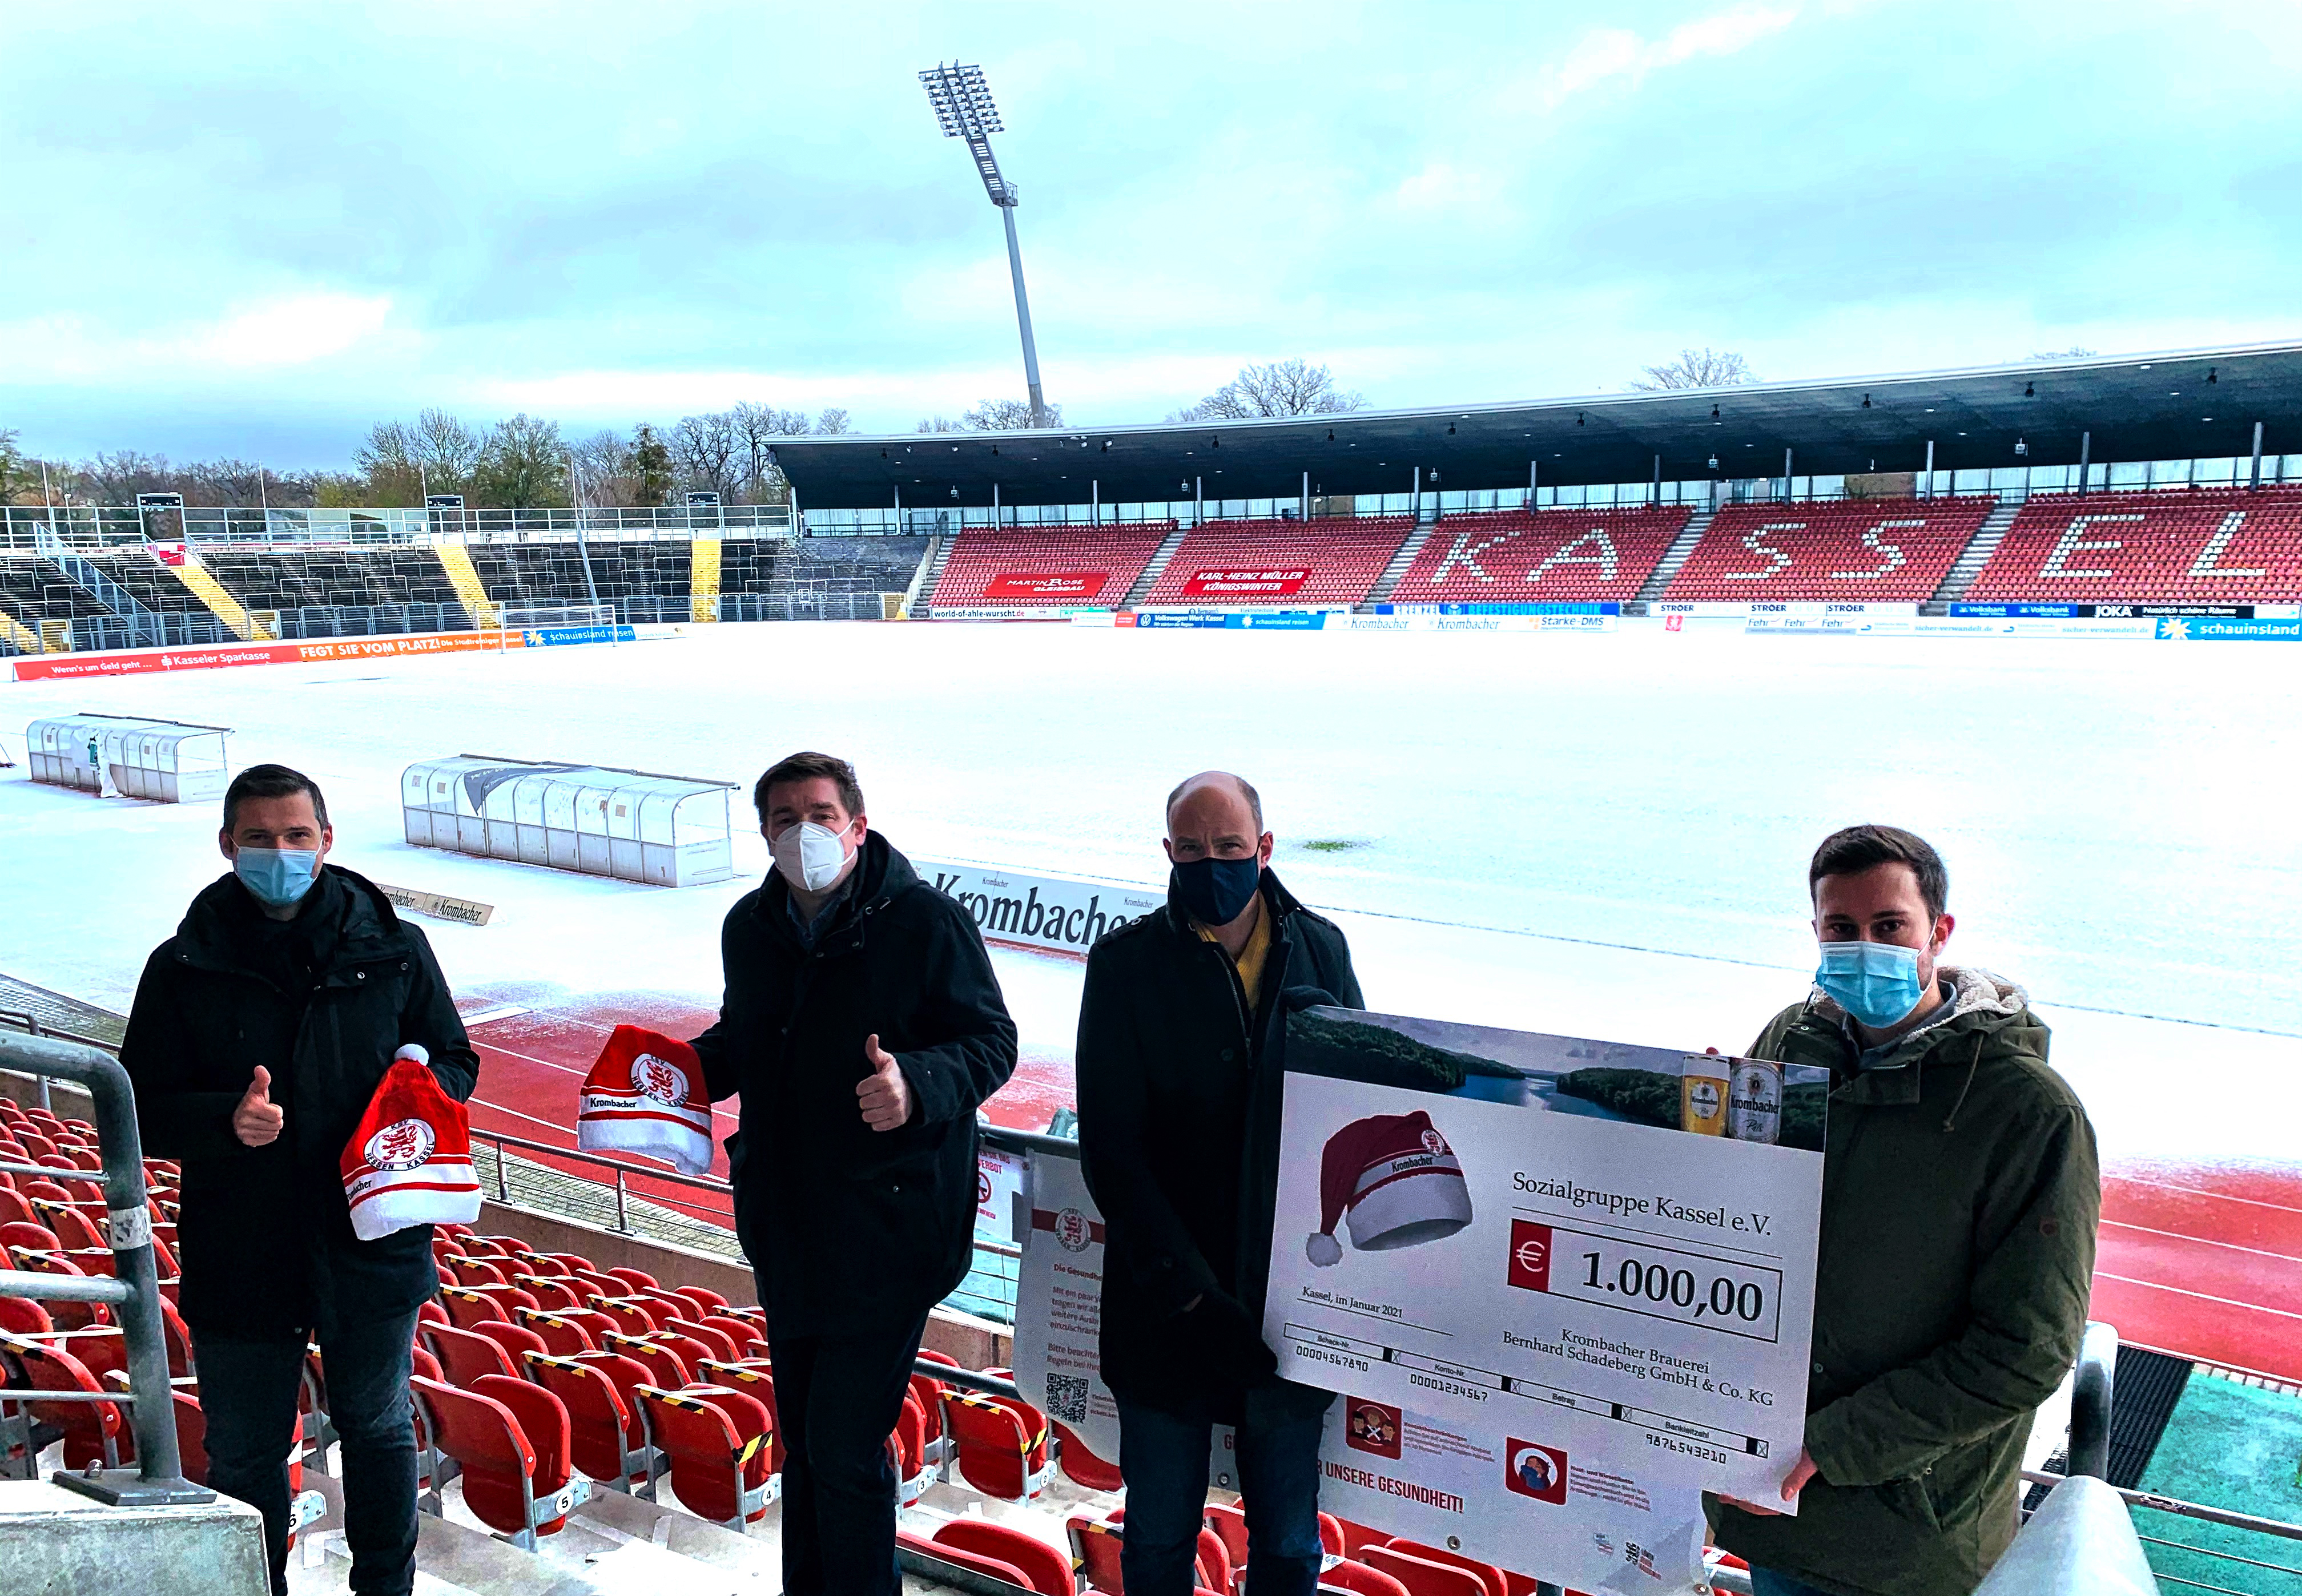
(633, 825)
(166, 761)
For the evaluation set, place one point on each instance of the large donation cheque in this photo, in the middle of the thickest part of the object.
(1563, 1286)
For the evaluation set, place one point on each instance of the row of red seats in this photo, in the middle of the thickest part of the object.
(1860, 551)
(2225, 546)
(1047, 569)
(1547, 557)
(1224, 564)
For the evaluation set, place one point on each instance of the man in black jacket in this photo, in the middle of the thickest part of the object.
(259, 1033)
(1180, 1038)
(862, 1024)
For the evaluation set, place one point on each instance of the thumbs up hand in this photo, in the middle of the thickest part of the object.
(884, 1095)
(257, 1120)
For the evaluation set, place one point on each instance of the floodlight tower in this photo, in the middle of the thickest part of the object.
(962, 106)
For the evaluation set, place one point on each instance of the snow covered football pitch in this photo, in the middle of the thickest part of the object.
(1597, 834)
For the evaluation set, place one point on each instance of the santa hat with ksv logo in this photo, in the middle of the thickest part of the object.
(1397, 1179)
(410, 1161)
(645, 1095)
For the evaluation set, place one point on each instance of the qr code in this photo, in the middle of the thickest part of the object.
(1067, 1398)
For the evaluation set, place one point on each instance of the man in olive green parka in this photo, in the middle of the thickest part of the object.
(1959, 1203)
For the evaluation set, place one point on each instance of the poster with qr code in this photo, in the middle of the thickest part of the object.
(1059, 1304)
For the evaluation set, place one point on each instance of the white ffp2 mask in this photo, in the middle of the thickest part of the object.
(809, 856)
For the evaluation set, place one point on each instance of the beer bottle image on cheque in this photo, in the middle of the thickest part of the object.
(1703, 1087)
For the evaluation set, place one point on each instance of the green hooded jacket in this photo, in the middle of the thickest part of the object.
(1959, 1194)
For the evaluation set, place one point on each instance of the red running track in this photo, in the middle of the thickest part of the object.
(2197, 1258)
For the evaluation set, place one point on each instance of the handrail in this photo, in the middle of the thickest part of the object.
(2090, 1399)
(2182, 1509)
(158, 1479)
(2080, 1543)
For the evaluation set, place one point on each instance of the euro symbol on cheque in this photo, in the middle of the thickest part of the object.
(1530, 1255)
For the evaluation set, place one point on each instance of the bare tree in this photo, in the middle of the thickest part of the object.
(2051, 355)
(445, 450)
(759, 426)
(939, 423)
(388, 460)
(1006, 416)
(1277, 388)
(833, 422)
(1696, 368)
(707, 449)
(609, 474)
(118, 477)
(18, 474)
(229, 482)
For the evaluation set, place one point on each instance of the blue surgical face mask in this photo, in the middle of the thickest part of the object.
(277, 877)
(1876, 982)
(1217, 892)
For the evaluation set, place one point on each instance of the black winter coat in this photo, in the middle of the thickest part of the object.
(847, 1228)
(1179, 1093)
(264, 1236)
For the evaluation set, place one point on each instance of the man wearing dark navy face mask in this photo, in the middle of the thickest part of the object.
(1181, 1028)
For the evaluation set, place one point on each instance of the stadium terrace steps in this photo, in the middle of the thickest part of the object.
(1674, 558)
(20, 637)
(1160, 559)
(1975, 555)
(1280, 563)
(1890, 551)
(923, 580)
(704, 579)
(1555, 556)
(213, 593)
(149, 581)
(456, 561)
(2176, 546)
(1398, 566)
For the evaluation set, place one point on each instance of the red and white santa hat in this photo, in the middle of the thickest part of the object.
(1397, 1179)
(410, 1161)
(646, 1095)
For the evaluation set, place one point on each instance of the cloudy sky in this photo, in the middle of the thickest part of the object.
(253, 229)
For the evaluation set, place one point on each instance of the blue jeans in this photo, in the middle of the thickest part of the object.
(1766, 1581)
(1164, 1460)
(247, 1395)
(837, 1397)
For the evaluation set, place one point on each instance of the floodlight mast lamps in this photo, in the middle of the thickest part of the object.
(964, 110)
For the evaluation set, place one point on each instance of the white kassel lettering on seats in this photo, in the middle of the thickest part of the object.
(1751, 541)
(2072, 541)
(1464, 552)
(1894, 558)
(1602, 555)
(2209, 560)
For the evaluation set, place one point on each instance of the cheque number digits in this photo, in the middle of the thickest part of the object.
(1659, 1283)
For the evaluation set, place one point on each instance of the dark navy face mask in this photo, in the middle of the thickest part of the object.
(1217, 892)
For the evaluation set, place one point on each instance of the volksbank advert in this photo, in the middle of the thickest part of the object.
(1592, 1262)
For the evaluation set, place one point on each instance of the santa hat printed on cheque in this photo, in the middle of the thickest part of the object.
(410, 1161)
(646, 1096)
(1398, 1182)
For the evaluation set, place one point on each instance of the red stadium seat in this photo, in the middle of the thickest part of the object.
(717, 1443)
(1000, 1448)
(1081, 1466)
(636, 1315)
(562, 1335)
(758, 1381)
(1096, 1545)
(93, 1432)
(722, 1345)
(1045, 1571)
(467, 1355)
(665, 1366)
(1360, 1580)
(605, 1436)
(515, 1339)
(1493, 1579)
(974, 1562)
(510, 1440)
(1421, 1576)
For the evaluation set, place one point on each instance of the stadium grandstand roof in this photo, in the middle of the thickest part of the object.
(2183, 404)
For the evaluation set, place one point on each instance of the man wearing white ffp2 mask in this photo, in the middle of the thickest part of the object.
(862, 1026)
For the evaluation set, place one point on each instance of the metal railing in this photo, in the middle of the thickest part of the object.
(83, 526)
(132, 1290)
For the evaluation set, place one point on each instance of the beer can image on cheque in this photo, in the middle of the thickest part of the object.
(1702, 1088)
(1754, 1100)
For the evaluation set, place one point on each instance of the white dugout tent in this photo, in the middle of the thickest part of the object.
(164, 762)
(633, 825)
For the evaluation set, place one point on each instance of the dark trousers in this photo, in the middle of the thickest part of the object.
(247, 1395)
(1165, 1461)
(838, 1399)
